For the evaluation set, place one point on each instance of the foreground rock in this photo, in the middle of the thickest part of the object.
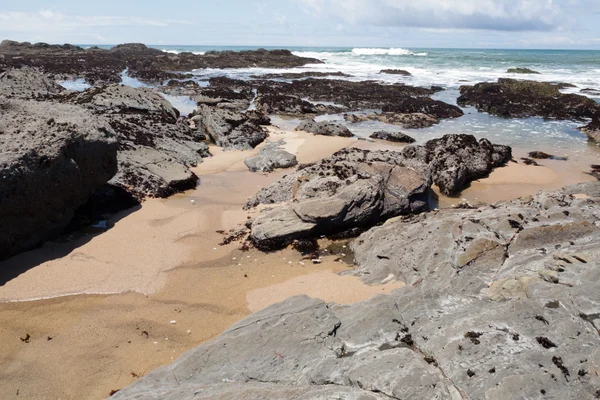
(501, 303)
(457, 160)
(515, 98)
(397, 137)
(28, 83)
(52, 158)
(270, 157)
(156, 147)
(353, 189)
(324, 128)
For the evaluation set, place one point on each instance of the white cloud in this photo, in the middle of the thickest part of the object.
(45, 21)
(501, 15)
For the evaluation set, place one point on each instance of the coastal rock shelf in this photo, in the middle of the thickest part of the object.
(505, 307)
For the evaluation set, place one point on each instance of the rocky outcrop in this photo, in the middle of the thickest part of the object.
(406, 121)
(229, 129)
(423, 105)
(301, 75)
(353, 189)
(105, 66)
(395, 72)
(593, 92)
(500, 303)
(52, 158)
(324, 128)
(397, 137)
(515, 98)
(521, 71)
(28, 83)
(270, 157)
(457, 160)
(156, 147)
(592, 130)
(291, 105)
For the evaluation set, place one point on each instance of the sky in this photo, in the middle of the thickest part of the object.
(539, 24)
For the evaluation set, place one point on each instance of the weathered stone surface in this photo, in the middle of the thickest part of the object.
(351, 189)
(406, 121)
(324, 128)
(457, 160)
(52, 158)
(516, 98)
(397, 137)
(156, 147)
(270, 157)
(476, 321)
(27, 83)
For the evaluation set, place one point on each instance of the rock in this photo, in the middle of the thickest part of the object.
(270, 157)
(406, 121)
(353, 189)
(474, 321)
(291, 105)
(592, 130)
(457, 160)
(229, 129)
(521, 71)
(395, 72)
(540, 155)
(423, 105)
(529, 161)
(324, 128)
(52, 158)
(300, 75)
(595, 172)
(515, 98)
(593, 92)
(28, 83)
(398, 137)
(156, 147)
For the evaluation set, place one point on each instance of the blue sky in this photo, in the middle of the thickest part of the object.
(353, 23)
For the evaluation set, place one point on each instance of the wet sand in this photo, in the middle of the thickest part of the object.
(173, 286)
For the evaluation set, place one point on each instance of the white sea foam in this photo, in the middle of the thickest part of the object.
(389, 52)
(170, 51)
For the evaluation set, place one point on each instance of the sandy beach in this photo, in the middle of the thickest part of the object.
(93, 313)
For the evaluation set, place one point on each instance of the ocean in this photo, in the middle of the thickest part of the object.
(449, 68)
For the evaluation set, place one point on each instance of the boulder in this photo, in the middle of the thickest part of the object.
(270, 157)
(457, 160)
(53, 157)
(520, 99)
(353, 189)
(477, 319)
(397, 137)
(324, 128)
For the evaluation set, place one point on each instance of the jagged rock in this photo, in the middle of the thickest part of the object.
(270, 157)
(457, 160)
(406, 121)
(515, 98)
(521, 71)
(291, 105)
(156, 147)
(324, 128)
(351, 189)
(229, 129)
(398, 137)
(27, 83)
(395, 72)
(53, 157)
(475, 320)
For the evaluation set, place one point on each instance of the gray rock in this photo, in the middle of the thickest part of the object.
(270, 157)
(52, 158)
(291, 105)
(27, 83)
(397, 137)
(324, 128)
(471, 323)
(405, 120)
(349, 190)
(457, 160)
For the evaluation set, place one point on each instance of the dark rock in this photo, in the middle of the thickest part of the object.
(529, 161)
(406, 121)
(593, 92)
(52, 158)
(28, 83)
(324, 128)
(395, 72)
(515, 98)
(351, 189)
(300, 75)
(540, 155)
(457, 160)
(270, 157)
(521, 71)
(424, 105)
(398, 137)
(592, 130)
(291, 105)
